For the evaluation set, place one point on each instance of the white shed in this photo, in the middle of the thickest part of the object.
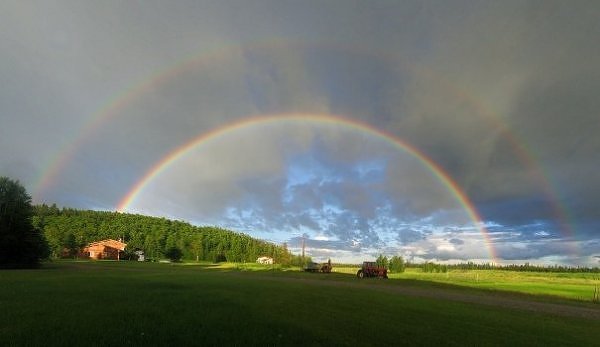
(140, 255)
(265, 260)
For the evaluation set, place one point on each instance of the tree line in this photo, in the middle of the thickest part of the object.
(397, 264)
(527, 267)
(68, 231)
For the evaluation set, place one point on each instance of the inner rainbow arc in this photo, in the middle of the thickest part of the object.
(437, 171)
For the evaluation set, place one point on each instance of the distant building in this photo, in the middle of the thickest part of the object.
(105, 249)
(265, 260)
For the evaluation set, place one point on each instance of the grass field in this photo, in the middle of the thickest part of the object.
(110, 304)
(579, 286)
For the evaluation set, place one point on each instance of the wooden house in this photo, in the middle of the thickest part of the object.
(105, 249)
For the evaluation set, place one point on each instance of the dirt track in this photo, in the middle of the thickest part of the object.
(497, 299)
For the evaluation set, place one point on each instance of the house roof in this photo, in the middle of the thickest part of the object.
(109, 243)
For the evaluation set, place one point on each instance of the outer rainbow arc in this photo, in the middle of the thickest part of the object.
(112, 109)
(526, 158)
(67, 151)
(65, 154)
(434, 168)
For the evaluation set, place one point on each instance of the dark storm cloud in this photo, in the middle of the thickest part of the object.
(589, 248)
(543, 66)
(408, 235)
(471, 85)
(559, 120)
(533, 250)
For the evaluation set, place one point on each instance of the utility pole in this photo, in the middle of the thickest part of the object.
(303, 246)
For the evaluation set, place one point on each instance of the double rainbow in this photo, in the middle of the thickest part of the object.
(56, 164)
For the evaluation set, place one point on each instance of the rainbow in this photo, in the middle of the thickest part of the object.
(111, 109)
(168, 160)
(523, 154)
(115, 106)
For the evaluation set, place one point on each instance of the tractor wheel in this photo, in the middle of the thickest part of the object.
(360, 274)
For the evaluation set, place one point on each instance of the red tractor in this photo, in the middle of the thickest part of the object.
(371, 269)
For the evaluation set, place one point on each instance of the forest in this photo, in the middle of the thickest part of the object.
(68, 230)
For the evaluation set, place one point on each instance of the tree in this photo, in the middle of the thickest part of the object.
(382, 261)
(21, 245)
(286, 257)
(379, 260)
(397, 264)
(197, 245)
(174, 254)
(70, 244)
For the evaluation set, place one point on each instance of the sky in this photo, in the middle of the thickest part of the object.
(445, 131)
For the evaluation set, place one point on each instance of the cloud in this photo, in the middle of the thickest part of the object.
(457, 242)
(501, 97)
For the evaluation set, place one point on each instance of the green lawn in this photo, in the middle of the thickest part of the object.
(579, 286)
(111, 304)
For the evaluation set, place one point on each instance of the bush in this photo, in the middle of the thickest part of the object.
(219, 258)
(174, 254)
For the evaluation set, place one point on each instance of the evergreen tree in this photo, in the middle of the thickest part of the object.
(21, 245)
(285, 257)
(70, 244)
(197, 247)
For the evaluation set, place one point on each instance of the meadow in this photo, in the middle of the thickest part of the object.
(114, 303)
(578, 286)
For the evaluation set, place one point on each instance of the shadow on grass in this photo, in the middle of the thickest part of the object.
(295, 273)
(424, 285)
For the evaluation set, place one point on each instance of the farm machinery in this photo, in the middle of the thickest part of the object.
(371, 269)
(316, 267)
